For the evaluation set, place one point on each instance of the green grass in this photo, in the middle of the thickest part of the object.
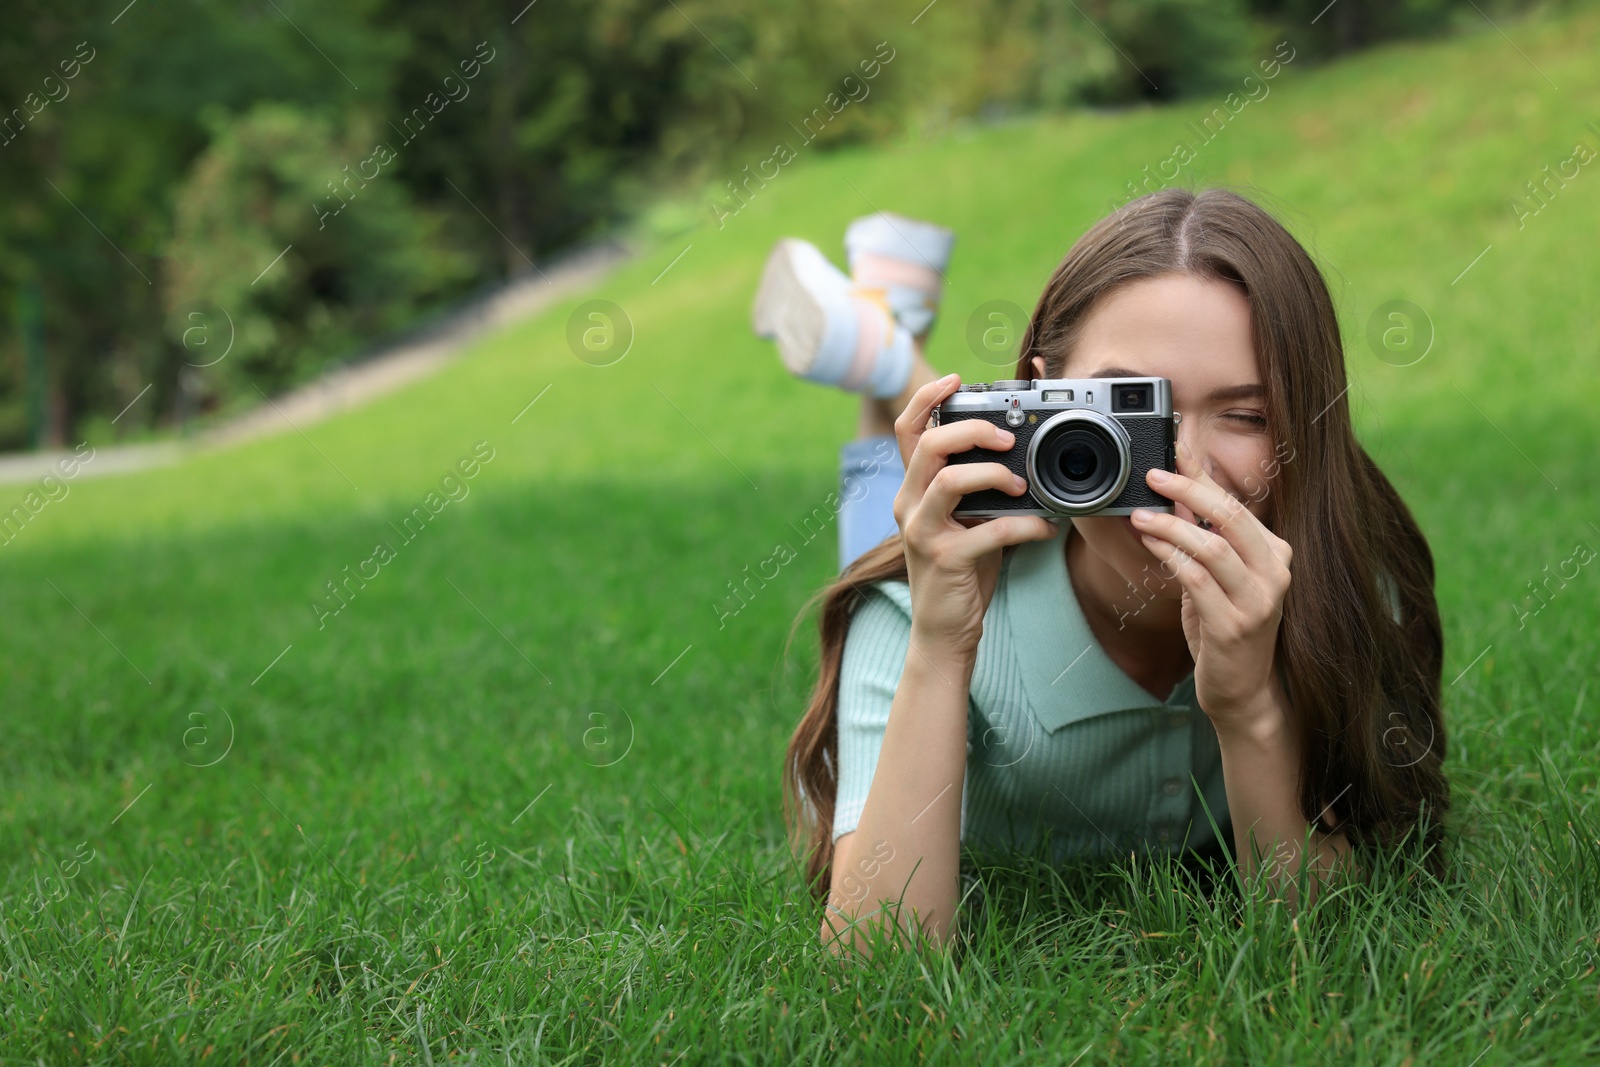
(361, 878)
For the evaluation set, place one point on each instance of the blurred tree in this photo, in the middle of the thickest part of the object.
(1319, 29)
(562, 109)
(89, 179)
(307, 242)
(1175, 48)
(589, 107)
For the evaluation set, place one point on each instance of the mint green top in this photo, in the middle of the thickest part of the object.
(1060, 741)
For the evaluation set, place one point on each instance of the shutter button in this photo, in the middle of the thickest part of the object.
(1014, 415)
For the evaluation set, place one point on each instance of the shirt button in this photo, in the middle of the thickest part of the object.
(1171, 787)
(1164, 835)
(1180, 718)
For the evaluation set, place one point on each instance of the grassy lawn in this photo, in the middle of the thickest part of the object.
(518, 799)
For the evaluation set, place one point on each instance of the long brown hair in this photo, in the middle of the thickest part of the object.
(1364, 689)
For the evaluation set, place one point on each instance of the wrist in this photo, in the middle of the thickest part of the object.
(944, 645)
(943, 651)
(1260, 723)
(1261, 733)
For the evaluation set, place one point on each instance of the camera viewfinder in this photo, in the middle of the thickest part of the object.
(1137, 396)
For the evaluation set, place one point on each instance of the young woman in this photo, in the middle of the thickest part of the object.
(1270, 653)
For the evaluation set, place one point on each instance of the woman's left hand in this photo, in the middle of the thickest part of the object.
(1234, 579)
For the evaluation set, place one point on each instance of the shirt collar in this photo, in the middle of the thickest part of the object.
(1066, 674)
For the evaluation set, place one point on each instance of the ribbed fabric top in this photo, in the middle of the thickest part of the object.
(1061, 743)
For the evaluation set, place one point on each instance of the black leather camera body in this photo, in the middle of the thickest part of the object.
(1082, 444)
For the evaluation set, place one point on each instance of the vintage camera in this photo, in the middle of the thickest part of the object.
(1082, 444)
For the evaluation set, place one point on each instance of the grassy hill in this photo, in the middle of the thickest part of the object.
(237, 825)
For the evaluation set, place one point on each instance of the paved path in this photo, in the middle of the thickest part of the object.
(351, 385)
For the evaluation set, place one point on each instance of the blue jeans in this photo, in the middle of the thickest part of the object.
(870, 473)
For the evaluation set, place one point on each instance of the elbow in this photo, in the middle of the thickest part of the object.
(830, 937)
(838, 932)
(853, 935)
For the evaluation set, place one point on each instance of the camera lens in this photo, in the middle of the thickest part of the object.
(1078, 462)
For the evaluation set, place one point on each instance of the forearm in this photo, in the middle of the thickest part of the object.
(905, 859)
(1260, 768)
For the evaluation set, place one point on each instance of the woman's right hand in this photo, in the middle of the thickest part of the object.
(953, 564)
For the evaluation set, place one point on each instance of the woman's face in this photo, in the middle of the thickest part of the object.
(1197, 333)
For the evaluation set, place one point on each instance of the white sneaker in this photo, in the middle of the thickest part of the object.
(904, 259)
(828, 330)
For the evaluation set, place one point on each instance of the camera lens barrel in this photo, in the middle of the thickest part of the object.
(1078, 461)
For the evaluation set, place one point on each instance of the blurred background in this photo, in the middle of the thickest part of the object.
(154, 161)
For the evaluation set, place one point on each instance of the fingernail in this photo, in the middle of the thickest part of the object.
(1159, 475)
(947, 379)
(1140, 515)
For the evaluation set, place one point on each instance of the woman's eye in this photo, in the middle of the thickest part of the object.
(1250, 417)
